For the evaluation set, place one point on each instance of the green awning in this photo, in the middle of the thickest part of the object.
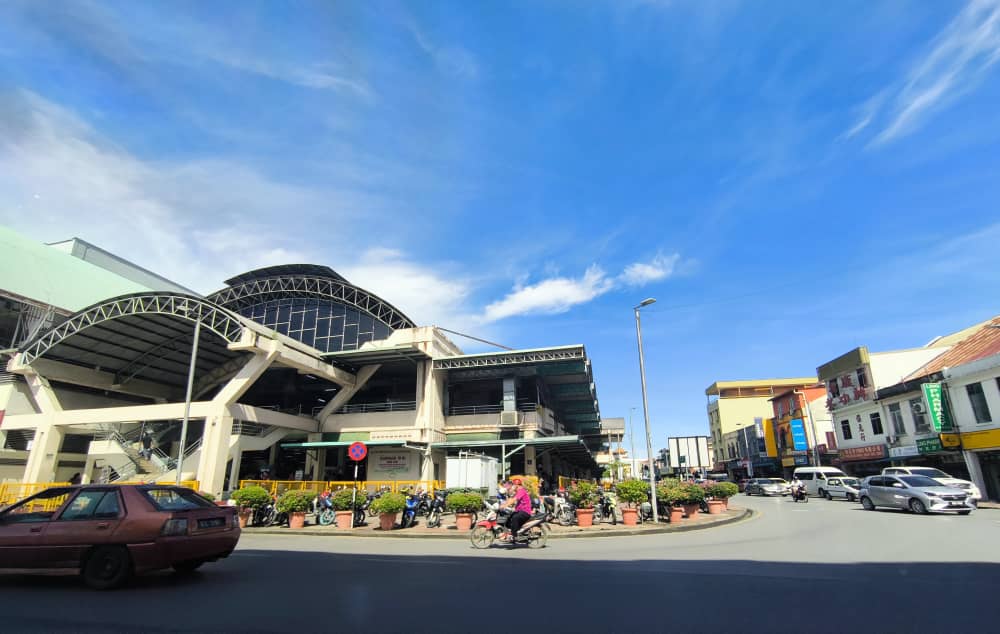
(326, 444)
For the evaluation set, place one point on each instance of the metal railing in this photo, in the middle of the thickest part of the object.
(277, 487)
(12, 492)
(243, 428)
(365, 408)
(465, 410)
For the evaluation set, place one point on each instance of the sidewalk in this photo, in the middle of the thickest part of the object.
(448, 531)
(989, 505)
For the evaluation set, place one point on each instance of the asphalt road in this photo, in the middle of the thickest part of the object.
(816, 567)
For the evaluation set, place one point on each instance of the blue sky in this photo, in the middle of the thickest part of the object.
(789, 180)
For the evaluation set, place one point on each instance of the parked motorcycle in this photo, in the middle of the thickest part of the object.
(436, 506)
(606, 508)
(560, 509)
(534, 533)
(410, 512)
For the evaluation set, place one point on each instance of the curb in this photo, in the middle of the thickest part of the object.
(451, 534)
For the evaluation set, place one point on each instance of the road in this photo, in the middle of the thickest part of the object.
(817, 567)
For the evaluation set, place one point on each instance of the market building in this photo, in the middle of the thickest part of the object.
(291, 364)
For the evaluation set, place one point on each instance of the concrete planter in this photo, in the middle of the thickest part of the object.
(630, 517)
(345, 519)
(296, 519)
(463, 521)
(386, 521)
(716, 507)
(584, 518)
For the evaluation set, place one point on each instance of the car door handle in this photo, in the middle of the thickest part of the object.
(102, 526)
(36, 529)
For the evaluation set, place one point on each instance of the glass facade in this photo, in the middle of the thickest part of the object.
(324, 324)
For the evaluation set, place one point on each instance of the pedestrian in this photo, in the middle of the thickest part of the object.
(75, 479)
(147, 445)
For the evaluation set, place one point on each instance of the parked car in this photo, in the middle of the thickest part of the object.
(742, 484)
(919, 494)
(767, 486)
(110, 532)
(847, 488)
(815, 478)
(971, 489)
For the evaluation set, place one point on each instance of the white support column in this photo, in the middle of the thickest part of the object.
(312, 467)
(215, 451)
(234, 470)
(346, 393)
(244, 379)
(44, 456)
(430, 400)
(975, 471)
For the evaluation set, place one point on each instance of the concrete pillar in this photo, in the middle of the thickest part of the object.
(215, 452)
(44, 455)
(312, 467)
(975, 471)
(530, 466)
(234, 469)
(426, 465)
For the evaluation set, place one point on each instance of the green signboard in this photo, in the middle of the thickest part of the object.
(940, 417)
(929, 445)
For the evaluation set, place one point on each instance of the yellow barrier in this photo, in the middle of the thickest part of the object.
(11, 492)
(277, 487)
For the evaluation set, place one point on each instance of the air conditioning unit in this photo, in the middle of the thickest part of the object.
(918, 408)
(508, 419)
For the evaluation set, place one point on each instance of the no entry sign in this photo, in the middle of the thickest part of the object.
(357, 451)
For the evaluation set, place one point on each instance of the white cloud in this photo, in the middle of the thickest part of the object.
(960, 57)
(554, 295)
(453, 60)
(318, 77)
(196, 222)
(642, 273)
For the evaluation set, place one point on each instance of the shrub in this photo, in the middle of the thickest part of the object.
(723, 490)
(464, 502)
(633, 492)
(389, 503)
(207, 496)
(252, 497)
(583, 494)
(341, 500)
(689, 493)
(295, 501)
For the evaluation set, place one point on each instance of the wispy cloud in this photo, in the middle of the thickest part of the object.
(453, 60)
(318, 77)
(959, 57)
(559, 294)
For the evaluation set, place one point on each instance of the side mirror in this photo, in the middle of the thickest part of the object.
(898, 485)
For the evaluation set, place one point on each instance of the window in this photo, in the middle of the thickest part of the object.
(979, 406)
(845, 428)
(99, 504)
(38, 508)
(834, 388)
(919, 418)
(166, 499)
(808, 475)
(876, 420)
(875, 482)
(896, 416)
(862, 378)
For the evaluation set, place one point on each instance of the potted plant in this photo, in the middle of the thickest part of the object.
(669, 491)
(464, 505)
(295, 503)
(344, 502)
(720, 493)
(691, 496)
(583, 495)
(633, 492)
(249, 499)
(388, 505)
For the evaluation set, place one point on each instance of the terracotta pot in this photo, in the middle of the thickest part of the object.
(676, 514)
(715, 507)
(244, 517)
(345, 519)
(584, 518)
(386, 521)
(630, 517)
(691, 510)
(296, 519)
(725, 503)
(463, 521)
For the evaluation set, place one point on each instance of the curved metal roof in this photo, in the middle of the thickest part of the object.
(304, 280)
(144, 336)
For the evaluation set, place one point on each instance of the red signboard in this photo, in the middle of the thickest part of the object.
(357, 451)
(868, 452)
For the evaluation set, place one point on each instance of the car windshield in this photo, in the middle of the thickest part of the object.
(171, 499)
(929, 473)
(919, 481)
(851, 482)
(772, 481)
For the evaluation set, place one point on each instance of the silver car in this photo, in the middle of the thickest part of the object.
(919, 494)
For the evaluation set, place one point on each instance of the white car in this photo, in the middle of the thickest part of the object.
(930, 472)
(844, 487)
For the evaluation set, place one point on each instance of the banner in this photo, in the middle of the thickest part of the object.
(940, 416)
(799, 441)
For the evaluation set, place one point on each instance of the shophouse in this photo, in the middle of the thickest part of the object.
(802, 430)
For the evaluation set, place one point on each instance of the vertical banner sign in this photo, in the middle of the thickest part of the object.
(935, 402)
(799, 441)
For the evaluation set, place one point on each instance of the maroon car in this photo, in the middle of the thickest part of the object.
(110, 532)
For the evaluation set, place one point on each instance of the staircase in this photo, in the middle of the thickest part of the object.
(136, 467)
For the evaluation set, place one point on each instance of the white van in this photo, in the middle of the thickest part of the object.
(815, 478)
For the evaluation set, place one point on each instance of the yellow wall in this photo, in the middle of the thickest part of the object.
(770, 441)
(737, 413)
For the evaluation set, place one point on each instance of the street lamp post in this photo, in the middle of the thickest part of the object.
(645, 408)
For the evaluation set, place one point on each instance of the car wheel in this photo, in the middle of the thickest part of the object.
(184, 567)
(823, 493)
(827, 495)
(867, 503)
(851, 498)
(917, 506)
(107, 567)
(964, 512)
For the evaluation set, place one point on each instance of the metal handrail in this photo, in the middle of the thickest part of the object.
(465, 410)
(243, 428)
(364, 408)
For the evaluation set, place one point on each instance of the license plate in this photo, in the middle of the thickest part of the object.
(956, 504)
(214, 522)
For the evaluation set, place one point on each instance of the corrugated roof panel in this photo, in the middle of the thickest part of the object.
(982, 343)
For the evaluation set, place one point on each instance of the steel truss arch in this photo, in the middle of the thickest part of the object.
(213, 318)
(250, 292)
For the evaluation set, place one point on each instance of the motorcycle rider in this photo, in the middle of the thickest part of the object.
(798, 487)
(521, 501)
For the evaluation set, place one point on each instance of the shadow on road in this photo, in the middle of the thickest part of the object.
(270, 590)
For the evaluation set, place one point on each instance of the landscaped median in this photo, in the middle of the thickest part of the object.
(449, 531)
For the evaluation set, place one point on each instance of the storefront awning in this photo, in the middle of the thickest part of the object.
(326, 444)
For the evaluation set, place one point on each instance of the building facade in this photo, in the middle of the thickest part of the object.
(801, 429)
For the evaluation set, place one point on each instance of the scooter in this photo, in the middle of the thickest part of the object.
(606, 508)
(560, 509)
(799, 495)
(436, 505)
(410, 512)
(534, 533)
